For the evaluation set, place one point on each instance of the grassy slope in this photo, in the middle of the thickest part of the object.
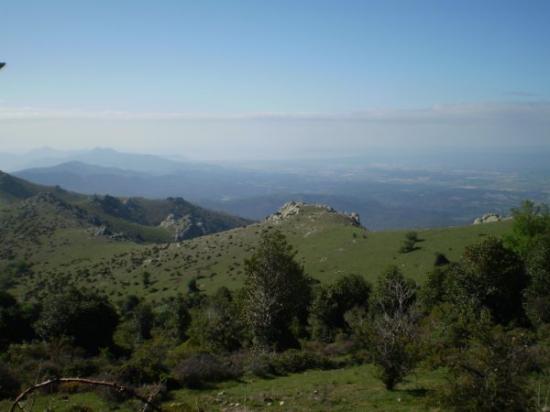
(327, 244)
(351, 389)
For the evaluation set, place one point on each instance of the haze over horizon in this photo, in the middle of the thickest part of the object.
(217, 80)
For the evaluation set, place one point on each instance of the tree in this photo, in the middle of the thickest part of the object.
(86, 317)
(490, 276)
(393, 328)
(144, 320)
(276, 291)
(537, 294)
(15, 321)
(178, 318)
(435, 289)
(492, 373)
(332, 302)
(530, 221)
(216, 326)
(146, 279)
(409, 244)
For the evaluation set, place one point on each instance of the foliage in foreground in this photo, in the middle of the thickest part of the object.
(483, 318)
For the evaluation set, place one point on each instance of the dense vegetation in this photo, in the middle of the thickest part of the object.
(481, 320)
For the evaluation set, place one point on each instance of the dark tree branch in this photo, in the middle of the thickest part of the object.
(119, 388)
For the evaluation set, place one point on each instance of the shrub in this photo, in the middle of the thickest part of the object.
(293, 361)
(216, 326)
(492, 374)
(44, 360)
(490, 276)
(147, 364)
(537, 294)
(409, 243)
(392, 334)
(332, 302)
(9, 384)
(202, 368)
(15, 322)
(86, 317)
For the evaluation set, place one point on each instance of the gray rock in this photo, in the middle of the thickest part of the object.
(488, 218)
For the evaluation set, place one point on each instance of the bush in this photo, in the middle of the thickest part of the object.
(392, 334)
(9, 384)
(537, 294)
(216, 325)
(490, 276)
(265, 364)
(492, 374)
(15, 322)
(202, 368)
(294, 361)
(45, 360)
(332, 302)
(86, 317)
(147, 364)
(409, 243)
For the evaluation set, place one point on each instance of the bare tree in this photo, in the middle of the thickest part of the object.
(394, 327)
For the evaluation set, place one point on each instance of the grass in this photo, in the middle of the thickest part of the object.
(77, 402)
(350, 389)
(328, 245)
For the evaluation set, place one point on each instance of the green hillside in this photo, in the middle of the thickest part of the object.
(329, 245)
(25, 206)
(14, 190)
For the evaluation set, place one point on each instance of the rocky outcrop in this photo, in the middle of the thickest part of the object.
(488, 218)
(294, 208)
(183, 227)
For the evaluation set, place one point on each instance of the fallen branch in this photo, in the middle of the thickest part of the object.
(119, 388)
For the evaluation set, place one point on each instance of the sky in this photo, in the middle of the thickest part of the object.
(259, 79)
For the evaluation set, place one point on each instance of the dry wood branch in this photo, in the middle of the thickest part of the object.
(123, 389)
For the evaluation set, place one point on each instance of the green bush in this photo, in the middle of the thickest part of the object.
(492, 374)
(294, 361)
(86, 317)
(216, 325)
(202, 368)
(147, 364)
(537, 294)
(9, 384)
(332, 302)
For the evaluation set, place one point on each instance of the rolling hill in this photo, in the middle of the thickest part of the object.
(29, 212)
(329, 245)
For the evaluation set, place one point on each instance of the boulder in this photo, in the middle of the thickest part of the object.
(488, 218)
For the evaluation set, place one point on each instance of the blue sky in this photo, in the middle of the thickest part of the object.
(129, 69)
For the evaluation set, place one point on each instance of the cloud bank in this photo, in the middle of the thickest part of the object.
(263, 135)
(436, 113)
